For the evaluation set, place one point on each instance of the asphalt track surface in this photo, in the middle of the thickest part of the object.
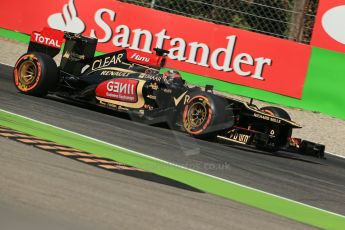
(317, 182)
(47, 191)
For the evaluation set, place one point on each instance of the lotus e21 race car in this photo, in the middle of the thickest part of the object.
(130, 81)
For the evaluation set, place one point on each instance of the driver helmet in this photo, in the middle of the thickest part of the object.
(172, 76)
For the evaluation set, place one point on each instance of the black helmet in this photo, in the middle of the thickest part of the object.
(172, 76)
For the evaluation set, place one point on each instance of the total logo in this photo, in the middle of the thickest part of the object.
(46, 40)
(333, 23)
(192, 52)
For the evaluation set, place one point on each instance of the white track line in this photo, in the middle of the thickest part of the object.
(169, 163)
(334, 154)
(1, 63)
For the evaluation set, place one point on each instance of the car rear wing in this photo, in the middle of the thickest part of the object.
(48, 41)
(79, 50)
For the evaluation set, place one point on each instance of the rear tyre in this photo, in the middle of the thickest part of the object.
(206, 115)
(35, 74)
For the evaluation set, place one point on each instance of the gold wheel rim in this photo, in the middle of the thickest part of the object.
(27, 73)
(196, 115)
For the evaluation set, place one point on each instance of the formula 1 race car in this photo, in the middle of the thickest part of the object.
(130, 81)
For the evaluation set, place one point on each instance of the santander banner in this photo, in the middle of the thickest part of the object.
(221, 52)
(329, 31)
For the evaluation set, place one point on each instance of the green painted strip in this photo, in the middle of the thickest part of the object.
(227, 189)
(14, 35)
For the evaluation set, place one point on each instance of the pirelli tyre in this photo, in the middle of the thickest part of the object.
(35, 74)
(205, 115)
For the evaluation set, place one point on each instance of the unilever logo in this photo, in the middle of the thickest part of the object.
(333, 23)
(67, 20)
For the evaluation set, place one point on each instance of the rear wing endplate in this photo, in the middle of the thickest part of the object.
(47, 41)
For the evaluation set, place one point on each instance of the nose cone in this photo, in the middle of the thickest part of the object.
(333, 22)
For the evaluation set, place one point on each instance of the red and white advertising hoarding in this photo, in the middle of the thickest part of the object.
(329, 28)
(220, 52)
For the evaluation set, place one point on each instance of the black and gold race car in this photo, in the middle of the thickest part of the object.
(130, 81)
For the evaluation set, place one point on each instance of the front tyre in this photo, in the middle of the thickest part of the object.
(276, 111)
(206, 115)
(283, 132)
(35, 74)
